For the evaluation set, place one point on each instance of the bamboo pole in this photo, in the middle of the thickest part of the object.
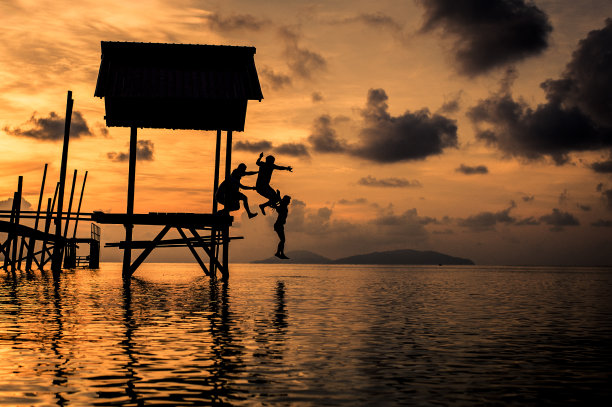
(17, 206)
(74, 177)
(213, 232)
(56, 262)
(32, 241)
(76, 222)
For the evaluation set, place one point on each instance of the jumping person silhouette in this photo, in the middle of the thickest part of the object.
(229, 194)
(262, 186)
(279, 226)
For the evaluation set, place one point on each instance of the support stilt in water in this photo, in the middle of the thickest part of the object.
(127, 251)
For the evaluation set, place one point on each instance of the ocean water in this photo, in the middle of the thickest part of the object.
(308, 335)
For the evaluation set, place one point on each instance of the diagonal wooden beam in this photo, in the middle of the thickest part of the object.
(193, 251)
(209, 252)
(148, 250)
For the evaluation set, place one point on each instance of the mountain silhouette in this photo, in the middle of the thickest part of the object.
(406, 256)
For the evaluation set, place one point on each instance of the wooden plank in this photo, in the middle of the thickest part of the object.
(193, 251)
(198, 220)
(134, 266)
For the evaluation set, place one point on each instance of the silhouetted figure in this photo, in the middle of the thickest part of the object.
(279, 226)
(262, 186)
(229, 194)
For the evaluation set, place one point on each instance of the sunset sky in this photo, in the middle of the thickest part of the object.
(480, 129)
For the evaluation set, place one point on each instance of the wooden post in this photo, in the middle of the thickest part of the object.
(17, 206)
(228, 169)
(32, 241)
(127, 251)
(213, 233)
(74, 177)
(56, 262)
(76, 222)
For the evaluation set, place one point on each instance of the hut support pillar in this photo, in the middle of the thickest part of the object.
(127, 251)
(213, 233)
(228, 169)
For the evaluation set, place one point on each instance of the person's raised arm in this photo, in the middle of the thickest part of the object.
(259, 159)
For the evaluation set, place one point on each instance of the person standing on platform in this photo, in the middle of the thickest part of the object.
(229, 194)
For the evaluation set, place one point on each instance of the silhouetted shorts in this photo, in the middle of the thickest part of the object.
(268, 192)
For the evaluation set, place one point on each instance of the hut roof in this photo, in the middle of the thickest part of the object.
(177, 85)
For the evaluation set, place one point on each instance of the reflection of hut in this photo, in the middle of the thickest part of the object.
(176, 86)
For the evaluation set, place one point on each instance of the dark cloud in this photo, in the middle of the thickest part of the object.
(550, 130)
(530, 221)
(586, 83)
(7, 204)
(144, 152)
(411, 136)
(576, 117)
(606, 196)
(489, 33)
(468, 170)
(528, 198)
(559, 219)
(324, 138)
(484, 221)
(235, 22)
(599, 187)
(254, 147)
(51, 128)
(603, 223)
(450, 106)
(293, 149)
(585, 208)
(317, 97)
(275, 80)
(603, 167)
(370, 181)
(358, 201)
(388, 139)
(301, 61)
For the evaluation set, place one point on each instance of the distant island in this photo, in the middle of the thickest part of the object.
(406, 256)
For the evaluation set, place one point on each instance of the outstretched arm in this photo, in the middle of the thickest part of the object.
(280, 167)
(250, 172)
(246, 187)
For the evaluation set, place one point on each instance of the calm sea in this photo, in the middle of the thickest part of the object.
(308, 335)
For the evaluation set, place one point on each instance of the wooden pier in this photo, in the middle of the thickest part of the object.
(177, 86)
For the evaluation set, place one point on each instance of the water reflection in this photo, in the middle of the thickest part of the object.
(305, 336)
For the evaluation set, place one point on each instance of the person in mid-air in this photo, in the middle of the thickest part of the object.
(279, 226)
(229, 194)
(262, 186)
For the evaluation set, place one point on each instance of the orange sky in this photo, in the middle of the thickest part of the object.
(396, 177)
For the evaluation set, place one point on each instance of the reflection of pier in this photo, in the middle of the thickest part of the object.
(176, 86)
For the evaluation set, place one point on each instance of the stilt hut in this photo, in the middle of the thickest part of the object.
(176, 86)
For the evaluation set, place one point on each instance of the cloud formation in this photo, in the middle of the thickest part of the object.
(254, 147)
(468, 170)
(303, 62)
(603, 167)
(559, 219)
(384, 138)
(392, 182)
(275, 80)
(292, 149)
(51, 128)
(144, 152)
(552, 129)
(235, 22)
(489, 33)
(484, 221)
(7, 204)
